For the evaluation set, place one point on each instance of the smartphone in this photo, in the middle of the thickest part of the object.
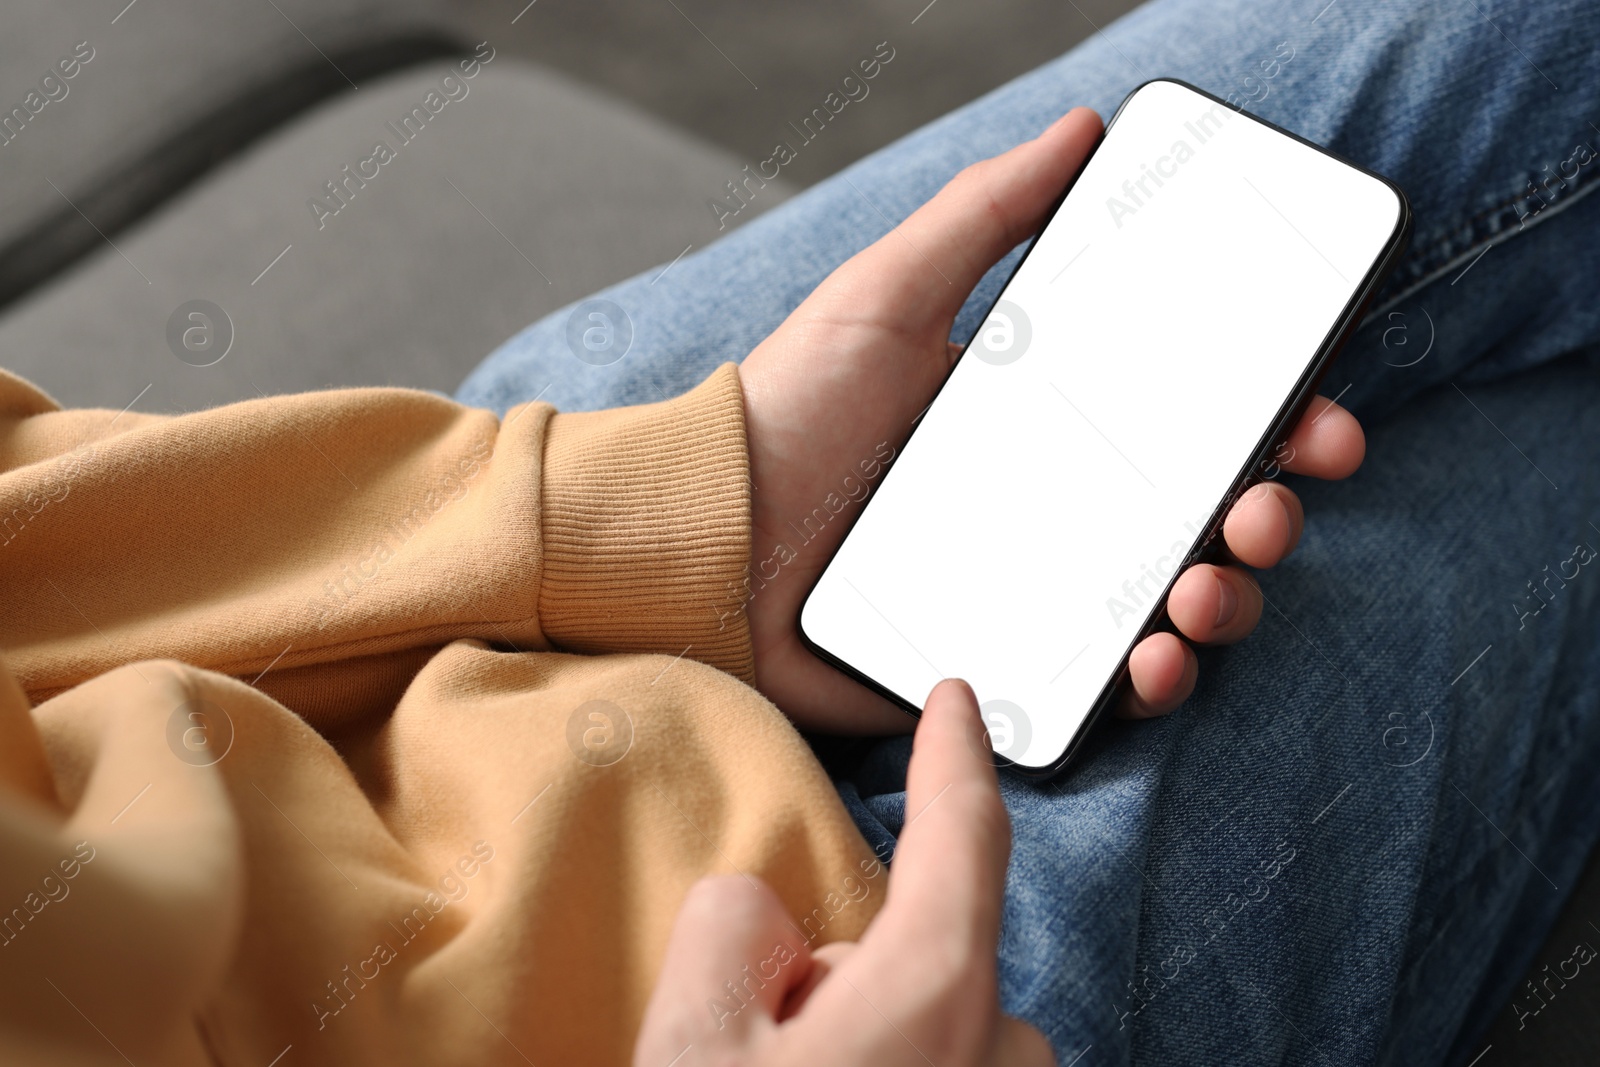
(1143, 365)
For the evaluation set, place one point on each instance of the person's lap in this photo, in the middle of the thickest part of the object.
(1307, 859)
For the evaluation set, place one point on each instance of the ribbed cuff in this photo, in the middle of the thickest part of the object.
(646, 525)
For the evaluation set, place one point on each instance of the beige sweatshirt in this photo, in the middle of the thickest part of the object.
(361, 727)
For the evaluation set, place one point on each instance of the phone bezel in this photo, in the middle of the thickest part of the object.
(1289, 413)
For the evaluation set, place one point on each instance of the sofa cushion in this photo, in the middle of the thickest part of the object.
(522, 193)
(108, 110)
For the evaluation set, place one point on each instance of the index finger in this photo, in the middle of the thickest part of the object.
(949, 871)
(926, 965)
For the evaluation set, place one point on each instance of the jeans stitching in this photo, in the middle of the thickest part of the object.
(1420, 270)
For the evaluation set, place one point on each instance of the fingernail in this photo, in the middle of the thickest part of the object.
(1227, 601)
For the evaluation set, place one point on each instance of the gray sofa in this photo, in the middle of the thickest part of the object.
(522, 193)
(168, 158)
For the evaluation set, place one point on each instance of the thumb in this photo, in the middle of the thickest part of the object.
(937, 255)
(733, 958)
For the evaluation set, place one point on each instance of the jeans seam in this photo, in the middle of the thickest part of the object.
(1498, 231)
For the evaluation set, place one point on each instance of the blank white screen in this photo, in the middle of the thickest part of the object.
(1106, 407)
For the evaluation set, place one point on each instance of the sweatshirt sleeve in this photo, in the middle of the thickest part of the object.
(291, 532)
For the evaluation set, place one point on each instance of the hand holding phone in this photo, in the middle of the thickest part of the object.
(839, 384)
(1149, 356)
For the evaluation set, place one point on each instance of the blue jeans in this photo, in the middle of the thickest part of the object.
(1349, 843)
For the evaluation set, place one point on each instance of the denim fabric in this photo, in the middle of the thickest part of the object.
(1351, 840)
